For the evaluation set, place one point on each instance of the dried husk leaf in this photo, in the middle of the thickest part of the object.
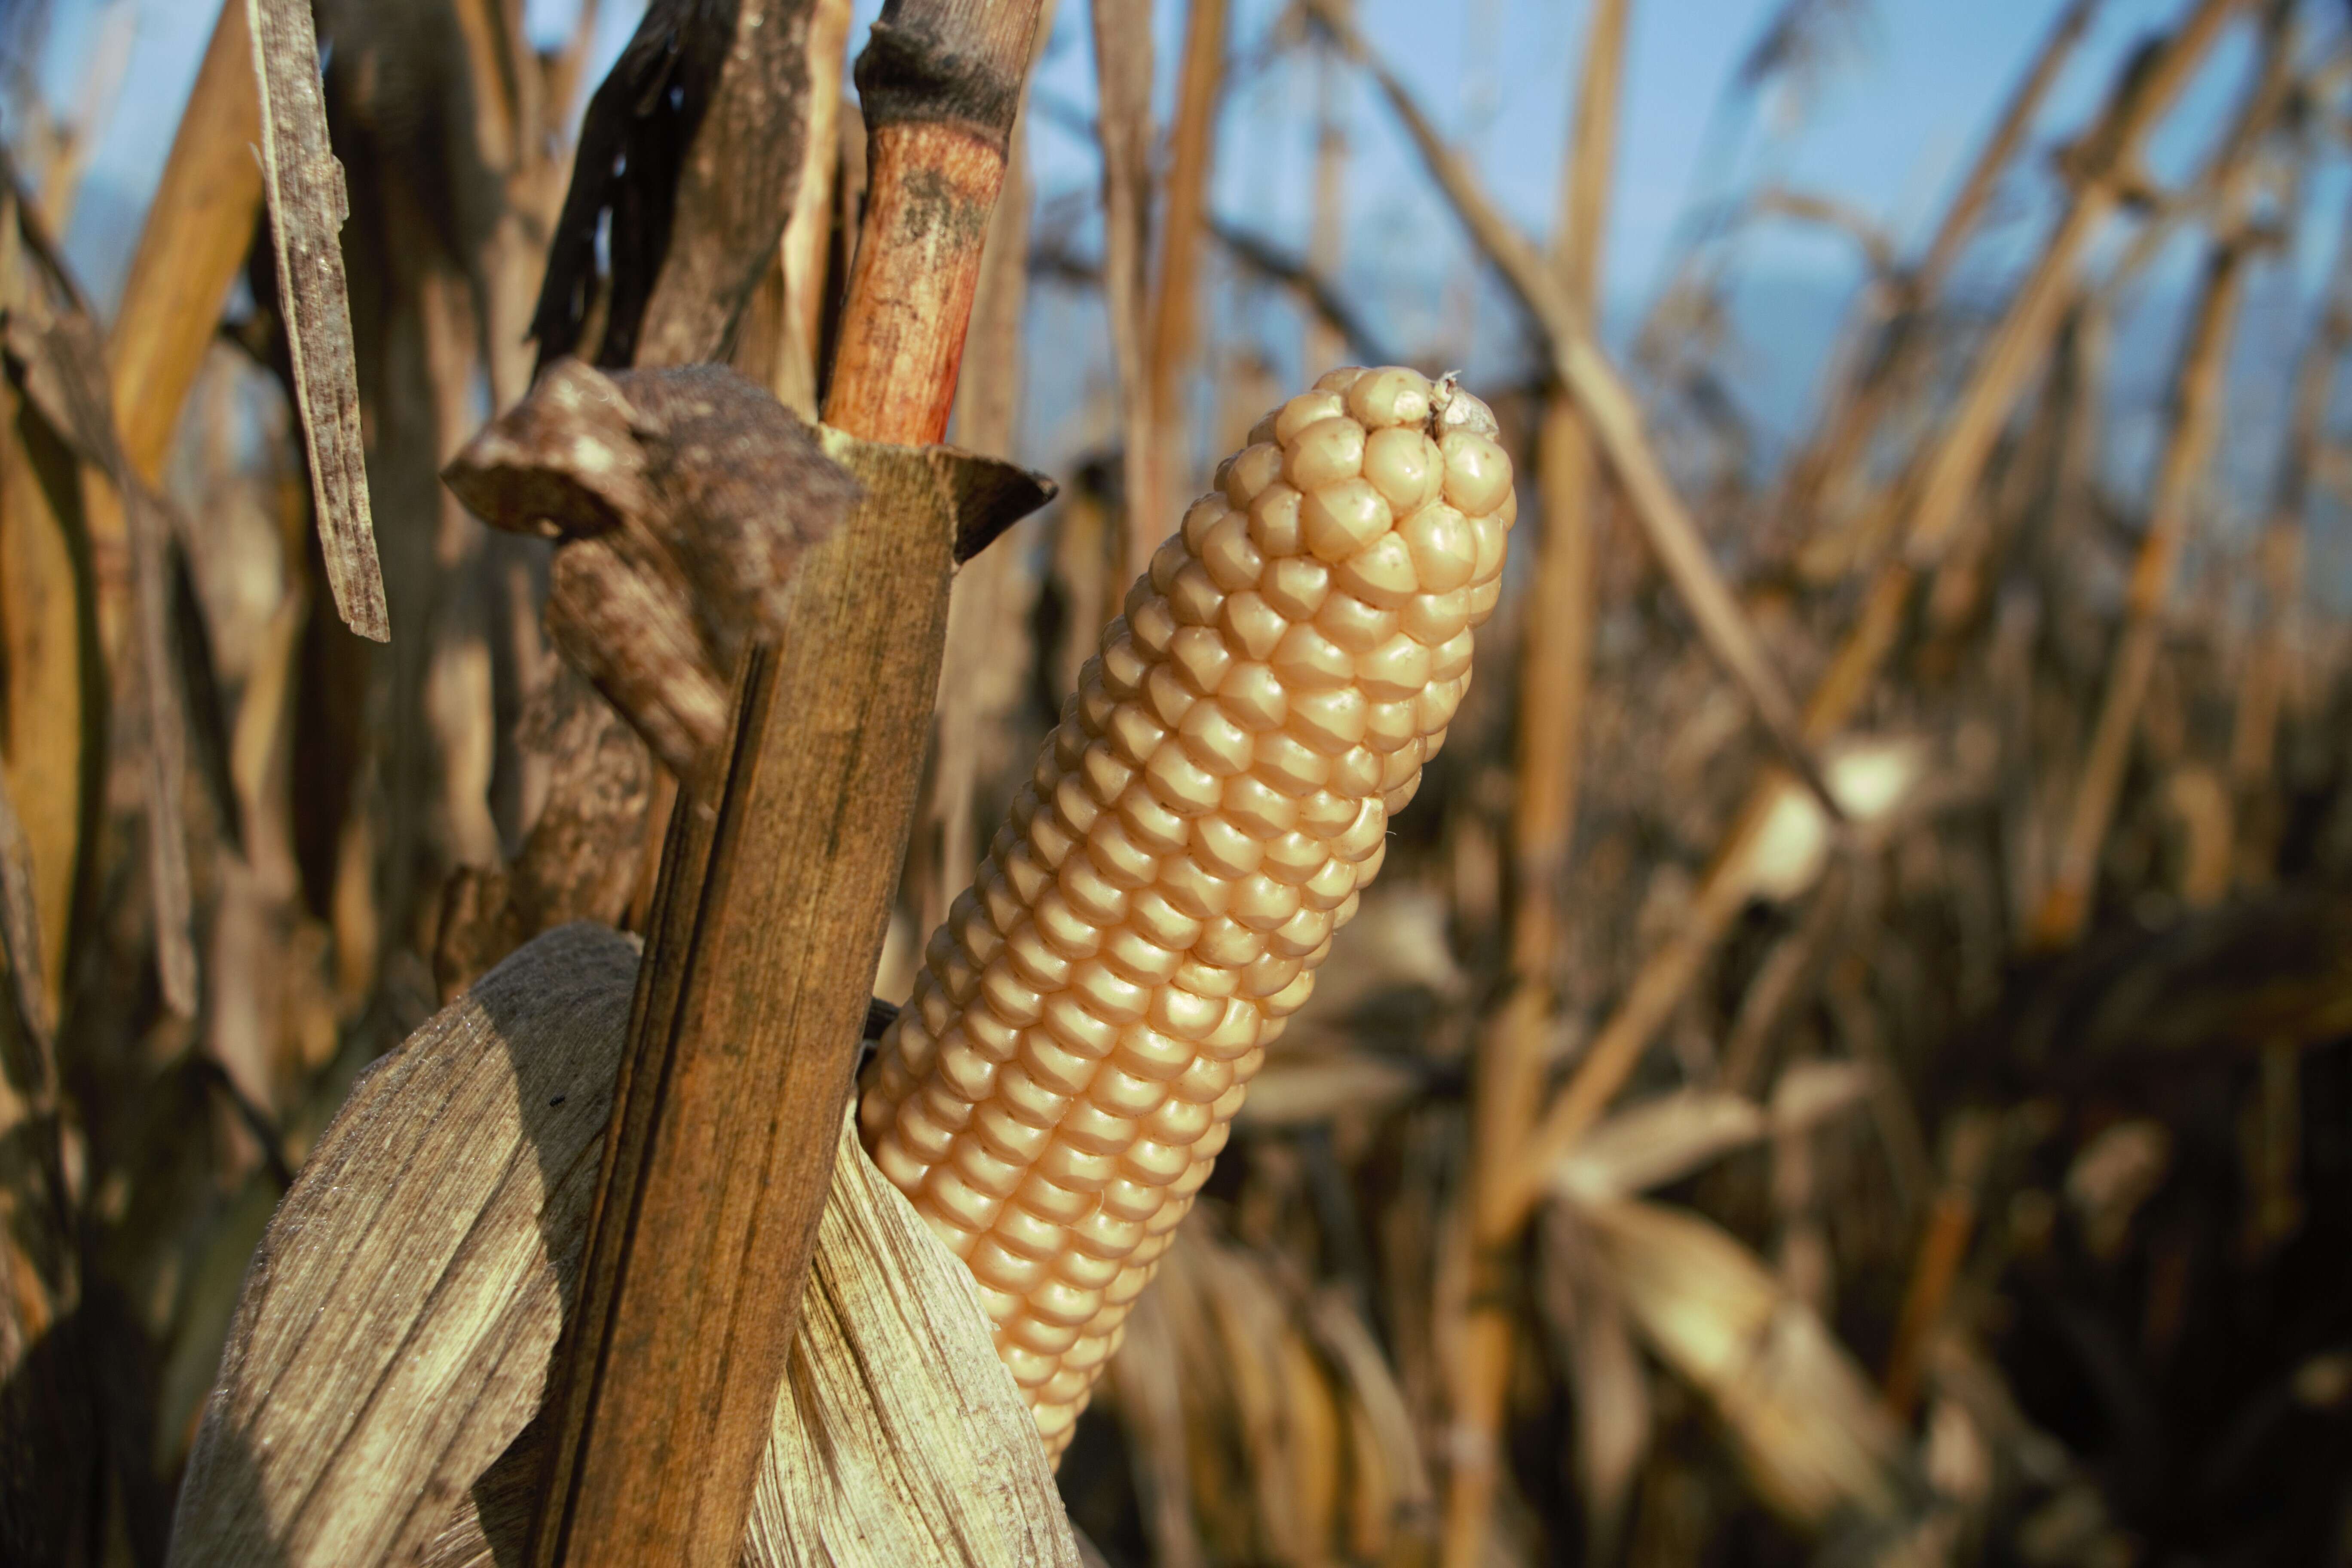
(1656, 1142)
(393, 1335)
(1816, 1442)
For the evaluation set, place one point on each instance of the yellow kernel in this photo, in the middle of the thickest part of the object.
(1451, 660)
(1124, 1093)
(1323, 454)
(1033, 1333)
(1011, 1001)
(1293, 858)
(963, 1205)
(1330, 885)
(1089, 1126)
(1405, 467)
(1134, 734)
(1203, 1082)
(1203, 978)
(1178, 1123)
(1483, 599)
(1026, 1233)
(1202, 515)
(1105, 1235)
(1029, 1368)
(1255, 467)
(1152, 624)
(1123, 863)
(1262, 903)
(1157, 920)
(1213, 741)
(1165, 694)
(1364, 834)
(1294, 585)
(1253, 696)
(1255, 625)
(1477, 472)
(1306, 660)
(1274, 525)
(1195, 598)
(1180, 1015)
(1179, 783)
(1194, 888)
(1036, 960)
(1340, 519)
(1270, 975)
(1070, 1166)
(1354, 624)
(1445, 549)
(986, 1171)
(1007, 1136)
(1126, 1198)
(1226, 943)
(1107, 994)
(1152, 826)
(1434, 618)
(1137, 957)
(1289, 764)
(1054, 1066)
(1388, 728)
(1223, 849)
(1257, 808)
(1338, 380)
(1400, 768)
(1076, 1269)
(1489, 535)
(1091, 894)
(1145, 1052)
(1123, 669)
(1201, 657)
(1076, 1029)
(1170, 558)
(1059, 1205)
(1330, 722)
(1397, 670)
(1299, 935)
(1153, 1162)
(1303, 410)
(1390, 396)
(1379, 573)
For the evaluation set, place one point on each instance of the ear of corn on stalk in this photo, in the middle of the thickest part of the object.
(1199, 824)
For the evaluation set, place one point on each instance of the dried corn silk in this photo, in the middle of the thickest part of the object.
(1199, 824)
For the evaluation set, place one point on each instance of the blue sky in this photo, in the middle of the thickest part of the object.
(1896, 117)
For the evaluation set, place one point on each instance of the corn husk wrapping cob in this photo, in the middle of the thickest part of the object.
(1199, 824)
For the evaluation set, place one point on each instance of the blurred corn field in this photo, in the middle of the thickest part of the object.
(1849, 1060)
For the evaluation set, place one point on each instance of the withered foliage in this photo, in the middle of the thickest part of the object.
(1848, 1059)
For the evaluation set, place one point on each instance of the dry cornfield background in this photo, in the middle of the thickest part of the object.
(1844, 1060)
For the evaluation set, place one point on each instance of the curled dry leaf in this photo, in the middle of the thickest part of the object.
(393, 1337)
(1808, 1427)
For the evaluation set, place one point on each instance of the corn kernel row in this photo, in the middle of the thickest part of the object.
(1218, 790)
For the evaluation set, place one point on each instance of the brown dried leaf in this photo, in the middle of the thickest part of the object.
(1810, 1429)
(394, 1335)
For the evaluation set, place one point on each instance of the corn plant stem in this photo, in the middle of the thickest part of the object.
(1554, 673)
(2067, 905)
(2253, 739)
(1324, 338)
(1951, 469)
(1175, 311)
(1122, 33)
(776, 884)
(1835, 453)
(1610, 413)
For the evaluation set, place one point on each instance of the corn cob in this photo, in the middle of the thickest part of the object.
(1218, 790)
